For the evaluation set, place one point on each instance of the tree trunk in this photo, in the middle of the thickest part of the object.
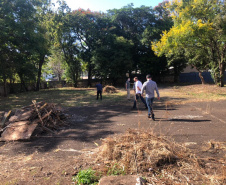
(5, 89)
(24, 85)
(41, 62)
(201, 78)
(222, 70)
(74, 80)
(89, 75)
(76, 77)
(176, 74)
(59, 77)
(73, 75)
(11, 88)
(114, 82)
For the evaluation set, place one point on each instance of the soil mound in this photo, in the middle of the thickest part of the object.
(109, 89)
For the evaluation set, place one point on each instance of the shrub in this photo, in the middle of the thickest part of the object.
(86, 177)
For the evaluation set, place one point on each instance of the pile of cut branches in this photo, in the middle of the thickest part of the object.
(23, 122)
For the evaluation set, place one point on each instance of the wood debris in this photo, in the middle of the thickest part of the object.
(5, 118)
(21, 124)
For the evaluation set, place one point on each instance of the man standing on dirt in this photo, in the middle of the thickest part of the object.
(128, 88)
(138, 87)
(150, 86)
(99, 90)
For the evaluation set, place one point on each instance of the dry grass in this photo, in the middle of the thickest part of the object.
(192, 93)
(109, 89)
(204, 92)
(64, 97)
(139, 151)
(158, 159)
(215, 147)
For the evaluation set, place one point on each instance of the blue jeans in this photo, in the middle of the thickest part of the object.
(137, 97)
(149, 102)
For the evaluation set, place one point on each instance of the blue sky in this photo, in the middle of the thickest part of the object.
(103, 5)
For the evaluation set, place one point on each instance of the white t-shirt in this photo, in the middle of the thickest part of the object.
(138, 84)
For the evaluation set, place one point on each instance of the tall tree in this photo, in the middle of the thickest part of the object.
(17, 28)
(149, 62)
(86, 29)
(198, 29)
(67, 39)
(42, 38)
(22, 38)
(141, 26)
(56, 63)
(112, 59)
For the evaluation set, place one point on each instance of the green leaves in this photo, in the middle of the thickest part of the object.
(113, 58)
(198, 33)
(86, 177)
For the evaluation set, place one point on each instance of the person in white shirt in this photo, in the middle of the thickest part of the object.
(138, 87)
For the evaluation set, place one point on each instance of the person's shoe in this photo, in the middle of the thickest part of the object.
(149, 116)
(153, 117)
(133, 108)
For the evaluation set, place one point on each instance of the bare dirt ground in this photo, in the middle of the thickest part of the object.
(51, 159)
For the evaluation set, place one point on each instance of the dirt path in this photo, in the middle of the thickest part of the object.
(50, 159)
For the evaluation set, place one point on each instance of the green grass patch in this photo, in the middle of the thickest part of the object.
(116, 169)
(86, 177)
(65, 97)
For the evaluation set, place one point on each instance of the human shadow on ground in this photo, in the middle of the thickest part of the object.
(85, 125)
(187, 120)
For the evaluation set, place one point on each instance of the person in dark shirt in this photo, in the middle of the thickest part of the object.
(99, 90)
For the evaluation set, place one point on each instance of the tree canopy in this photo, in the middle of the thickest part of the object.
(106, 45)
(198, 31)
(110, 45)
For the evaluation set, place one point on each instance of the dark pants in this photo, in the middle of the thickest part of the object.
(136, 98)
(99, 93)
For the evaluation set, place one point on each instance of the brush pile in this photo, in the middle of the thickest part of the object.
(21, 124)
(159, 160)
(109, 89)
